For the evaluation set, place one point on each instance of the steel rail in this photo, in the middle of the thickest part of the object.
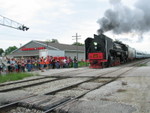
(22, 81)
(29, 85)
(70, 99)
(43, 77)
(90, 79)
(53, 92)
(25, 86)
(13, 104)
(76, 98)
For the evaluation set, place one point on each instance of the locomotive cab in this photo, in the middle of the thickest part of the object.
(97, 50)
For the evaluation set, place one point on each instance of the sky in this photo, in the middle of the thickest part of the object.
(61, 19)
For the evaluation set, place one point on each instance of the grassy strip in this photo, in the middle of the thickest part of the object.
(14, 76)
(82, 64)
(142, 65)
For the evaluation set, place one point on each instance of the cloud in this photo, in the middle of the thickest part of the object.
(47, 19)
(27, 10)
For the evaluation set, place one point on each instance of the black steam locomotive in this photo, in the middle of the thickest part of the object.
(102, 51)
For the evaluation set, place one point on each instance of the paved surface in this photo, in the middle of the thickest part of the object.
(130, 94)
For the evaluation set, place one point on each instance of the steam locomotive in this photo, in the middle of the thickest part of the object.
(102, 51)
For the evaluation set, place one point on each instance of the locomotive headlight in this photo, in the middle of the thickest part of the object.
(95, 43)
(95, 47)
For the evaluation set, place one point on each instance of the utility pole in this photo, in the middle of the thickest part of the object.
(20, 44)
(76, 38)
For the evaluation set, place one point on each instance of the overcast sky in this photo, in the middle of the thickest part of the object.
(59, 19)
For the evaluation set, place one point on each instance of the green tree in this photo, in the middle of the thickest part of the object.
(78, 43)
(54, 41)
(51, 41)
(1, 51)
(10, 49)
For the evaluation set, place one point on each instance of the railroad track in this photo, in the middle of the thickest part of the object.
(5, 87)
(52, 100)
(32, 79)
(41, 80)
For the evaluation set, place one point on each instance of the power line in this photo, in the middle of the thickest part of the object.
(76, 38)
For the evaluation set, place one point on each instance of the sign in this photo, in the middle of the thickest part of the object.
(96, 55)
(30, 49)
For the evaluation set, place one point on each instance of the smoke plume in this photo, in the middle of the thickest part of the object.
(122, 19)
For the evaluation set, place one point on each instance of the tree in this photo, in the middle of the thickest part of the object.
(10, 49)
(54, 41)
(78, 43)
(51, 41)
(1, 51)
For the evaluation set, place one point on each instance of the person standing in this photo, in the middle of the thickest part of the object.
(22, 65)
(75, 62)
(47, 62)
(42, 63)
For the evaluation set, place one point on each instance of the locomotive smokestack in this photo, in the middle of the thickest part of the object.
(123, 19)
(100, 31)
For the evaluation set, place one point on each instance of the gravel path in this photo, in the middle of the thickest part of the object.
(24, 110)
(48, 87)
(25, 83)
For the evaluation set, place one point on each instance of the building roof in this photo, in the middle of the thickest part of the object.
(52, 46)
(65, 47)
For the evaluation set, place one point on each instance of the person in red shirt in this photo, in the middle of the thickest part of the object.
(42, 63)
(47, 62)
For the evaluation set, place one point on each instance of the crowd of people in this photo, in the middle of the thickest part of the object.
(31, 64)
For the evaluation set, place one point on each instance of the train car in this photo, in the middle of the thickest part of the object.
(102, 51)
(140, 54)
(131, 53)
(147, 55)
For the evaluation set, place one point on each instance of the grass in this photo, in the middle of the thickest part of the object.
(82, 64)
(14, 76)
(142, 65)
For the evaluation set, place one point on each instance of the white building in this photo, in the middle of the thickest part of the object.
(33, 48)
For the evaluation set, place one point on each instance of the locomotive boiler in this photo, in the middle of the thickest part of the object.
(102, 51)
